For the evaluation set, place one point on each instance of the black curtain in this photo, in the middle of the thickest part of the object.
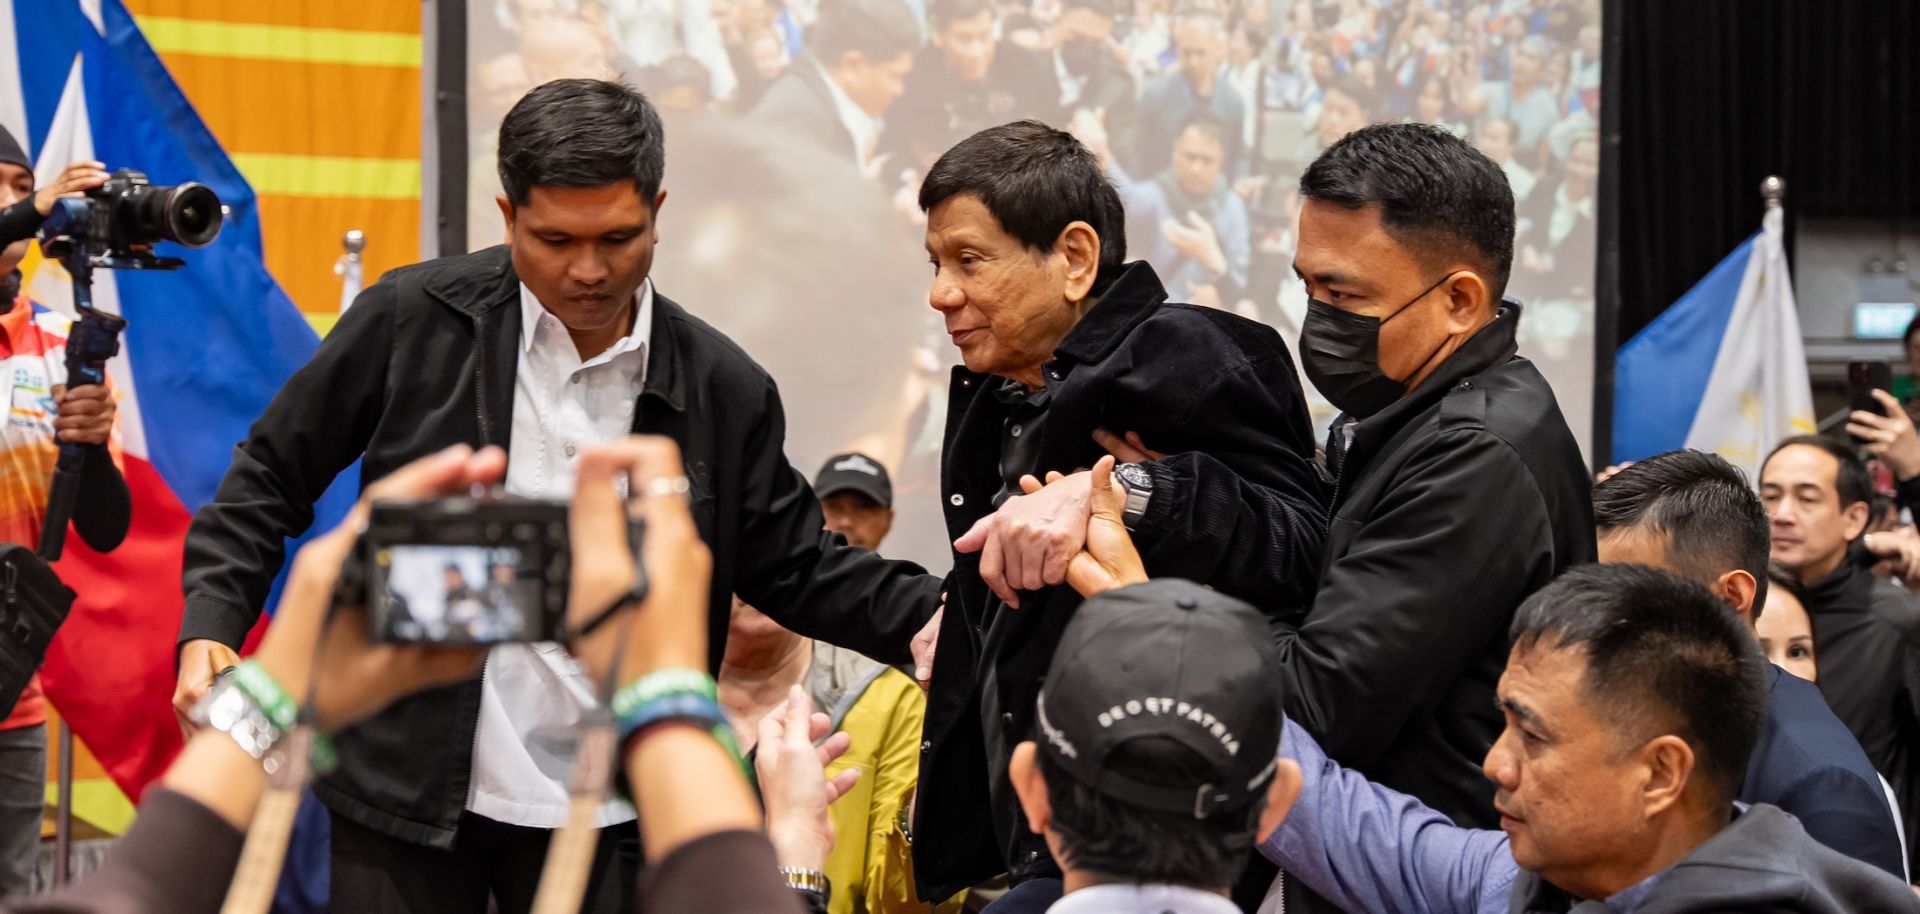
(1715, 95)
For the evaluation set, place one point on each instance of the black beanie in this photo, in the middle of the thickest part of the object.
(10, 151)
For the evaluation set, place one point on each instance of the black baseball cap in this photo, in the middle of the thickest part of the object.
(854, 472)
(10, 151)
(1166, 659)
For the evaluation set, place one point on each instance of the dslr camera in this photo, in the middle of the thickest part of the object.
(115, 224)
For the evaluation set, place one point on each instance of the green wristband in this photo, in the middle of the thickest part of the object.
(659, 684)
(265, 691)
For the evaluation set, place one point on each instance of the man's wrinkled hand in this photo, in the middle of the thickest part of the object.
(1026, 544)
(1109, 559)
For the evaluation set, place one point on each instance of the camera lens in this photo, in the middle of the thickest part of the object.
(191, 215)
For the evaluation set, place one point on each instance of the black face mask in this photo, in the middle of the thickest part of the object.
(1341, 354)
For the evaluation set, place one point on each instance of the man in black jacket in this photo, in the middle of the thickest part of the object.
(1060, 337)
(856, 66)
(1866, 631)
(544, 346)
(1458, 488)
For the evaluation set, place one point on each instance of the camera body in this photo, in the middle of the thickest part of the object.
(114, 224)
(466, 570)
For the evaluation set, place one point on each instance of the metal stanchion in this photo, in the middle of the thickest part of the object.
(348, 267)
(63, 816)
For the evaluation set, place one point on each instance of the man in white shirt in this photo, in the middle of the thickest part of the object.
(446, 801)
(1154, 770)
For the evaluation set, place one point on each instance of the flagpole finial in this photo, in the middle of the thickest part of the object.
(1773, 189)
(354, 241)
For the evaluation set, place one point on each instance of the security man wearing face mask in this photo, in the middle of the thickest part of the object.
(1460, 490)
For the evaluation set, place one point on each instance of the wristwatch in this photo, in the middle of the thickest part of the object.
(808, 882)
(1139, 485)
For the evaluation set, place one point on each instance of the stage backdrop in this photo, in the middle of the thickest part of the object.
(793, 158)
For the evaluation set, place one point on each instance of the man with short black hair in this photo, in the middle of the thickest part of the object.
(1818, 494)
(1459, 489)
(446, 801)
(1632, 699)
(1059, 335)
(859, 53)
(1694, 514)
(1153, 771)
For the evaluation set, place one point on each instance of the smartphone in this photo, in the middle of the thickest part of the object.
(466, 570)
(1863, 378)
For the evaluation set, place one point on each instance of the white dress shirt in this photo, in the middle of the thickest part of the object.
(532, 695)
(1116, 898)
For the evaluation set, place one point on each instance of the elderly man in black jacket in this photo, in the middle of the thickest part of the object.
(1458, 488)
(1061, 338)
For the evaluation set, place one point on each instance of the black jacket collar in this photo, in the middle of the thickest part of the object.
(1490, 347)
(488, 284)
(1129, 300)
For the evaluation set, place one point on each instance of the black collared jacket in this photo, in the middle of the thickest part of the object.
(1450, 508)
(1218, 394)
(424, 360)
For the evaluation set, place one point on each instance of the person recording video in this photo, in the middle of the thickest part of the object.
(705, 846)
(43, 414)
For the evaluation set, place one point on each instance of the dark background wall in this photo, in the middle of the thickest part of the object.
(1714, 95)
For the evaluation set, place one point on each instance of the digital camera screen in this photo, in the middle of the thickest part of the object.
(459, 594)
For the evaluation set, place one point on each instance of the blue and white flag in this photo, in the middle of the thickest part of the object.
(1723, 369)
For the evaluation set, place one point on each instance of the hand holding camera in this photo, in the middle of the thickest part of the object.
(357, 675)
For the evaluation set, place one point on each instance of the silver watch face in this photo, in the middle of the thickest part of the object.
(1133, 476)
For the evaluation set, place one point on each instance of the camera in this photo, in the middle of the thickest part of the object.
(464, 570)
(114, 223)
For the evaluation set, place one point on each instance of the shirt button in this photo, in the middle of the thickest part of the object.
(576, 379)
(957, 500)
(1014, 431)
(569, 450)
(926, 745)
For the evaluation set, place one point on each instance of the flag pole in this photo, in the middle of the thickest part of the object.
(63, 816)
(1773, 189)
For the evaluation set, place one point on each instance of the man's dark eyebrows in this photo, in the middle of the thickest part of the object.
(1324, 279)
(1521, 711)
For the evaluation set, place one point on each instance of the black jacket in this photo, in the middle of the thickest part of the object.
(1219, 394)
(425, 359)
(799, 106)
(1763, 862)
(1450, 508)
(1867, 632)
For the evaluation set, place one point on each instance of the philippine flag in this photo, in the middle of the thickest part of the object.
(1723, 369)
(205, 349)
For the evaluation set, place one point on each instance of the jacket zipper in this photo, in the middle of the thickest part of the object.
(480, 379)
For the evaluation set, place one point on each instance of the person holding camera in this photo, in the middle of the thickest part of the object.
(695, 806)
(544, 346)
(43, 413)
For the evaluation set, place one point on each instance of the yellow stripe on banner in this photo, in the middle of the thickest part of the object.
(98, 802)
(322, 321)
(170, 35)
(330, 176)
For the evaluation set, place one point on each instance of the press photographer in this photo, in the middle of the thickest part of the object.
(43, 415)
